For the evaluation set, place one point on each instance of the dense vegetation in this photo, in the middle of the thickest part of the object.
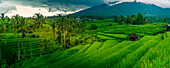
(64, 42)
(127, 9)
(22, 38)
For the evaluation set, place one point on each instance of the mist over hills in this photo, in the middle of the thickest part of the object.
(62, 5)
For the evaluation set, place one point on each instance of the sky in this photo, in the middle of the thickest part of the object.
(28, 8)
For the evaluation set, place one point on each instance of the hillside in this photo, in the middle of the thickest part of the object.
(93, 10)
(112, 50)
(128, 8)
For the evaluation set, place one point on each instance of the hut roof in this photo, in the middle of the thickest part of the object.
(133, 35)
(168, 25)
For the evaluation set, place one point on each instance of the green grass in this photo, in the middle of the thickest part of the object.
(118, 36)
(12, 43)
(94, 46)
(145, 53)
(148, 29)
(133, 57)
(111, 50)
(108, 57)
(157, 57)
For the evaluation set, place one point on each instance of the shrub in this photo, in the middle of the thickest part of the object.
(93, 26)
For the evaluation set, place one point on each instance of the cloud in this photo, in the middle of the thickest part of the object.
(161, 3)
(6, 6)
(14, 6)
(28, 11)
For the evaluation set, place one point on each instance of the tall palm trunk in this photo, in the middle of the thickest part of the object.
(22, 48)
(18, 49)
(30, 44)
(61, 37)
(40, 41)
(54, 37)
(70, 39)
(64, 37)
(22, 45)
(31, 47)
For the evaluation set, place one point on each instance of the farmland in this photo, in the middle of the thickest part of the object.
(111, 49)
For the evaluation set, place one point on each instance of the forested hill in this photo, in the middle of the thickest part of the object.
(93, 10)
(127, 9)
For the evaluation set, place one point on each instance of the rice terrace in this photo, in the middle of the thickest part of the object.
(106, 34)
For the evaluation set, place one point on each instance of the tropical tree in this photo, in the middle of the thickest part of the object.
(140, 19)
(30, 29)
(60, 27)
(65, 25)
(23, 35)
(128, 21)
(164, 20)
(116, 19)
(39, 19)
(3, 26)
(54, 30)
(46, 42)
(71, 27)
(121, 19)
(16, 26)
(132, 18)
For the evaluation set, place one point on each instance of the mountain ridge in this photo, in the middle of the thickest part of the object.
(127, 9)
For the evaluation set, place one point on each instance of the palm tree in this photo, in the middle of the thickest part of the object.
(3, 26)
(132, 18)
(46, 42)
(164, 20)
(39, 20)
(72, 26)
(2, 30)
(59, 23)
(65, 25)
(30, 29)
(23, 29)
(16, 29)
(54, 30)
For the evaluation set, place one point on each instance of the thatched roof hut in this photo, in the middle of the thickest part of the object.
(35, 36)
(168, 27)
(133, 37)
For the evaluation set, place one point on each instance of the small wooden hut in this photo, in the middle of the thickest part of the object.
(35, 36)
(133, 37)
(168, 27)
(110, 25)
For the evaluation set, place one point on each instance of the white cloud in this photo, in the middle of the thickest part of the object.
(28, 11)
(13, 7)
(161, 3)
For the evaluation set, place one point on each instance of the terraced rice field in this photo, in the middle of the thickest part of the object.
(29, 45)
(148, 52)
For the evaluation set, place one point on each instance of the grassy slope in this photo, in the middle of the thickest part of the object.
(125, 54)
(111, 52)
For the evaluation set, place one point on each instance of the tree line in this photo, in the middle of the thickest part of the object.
(136, 20)
(59, 30)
